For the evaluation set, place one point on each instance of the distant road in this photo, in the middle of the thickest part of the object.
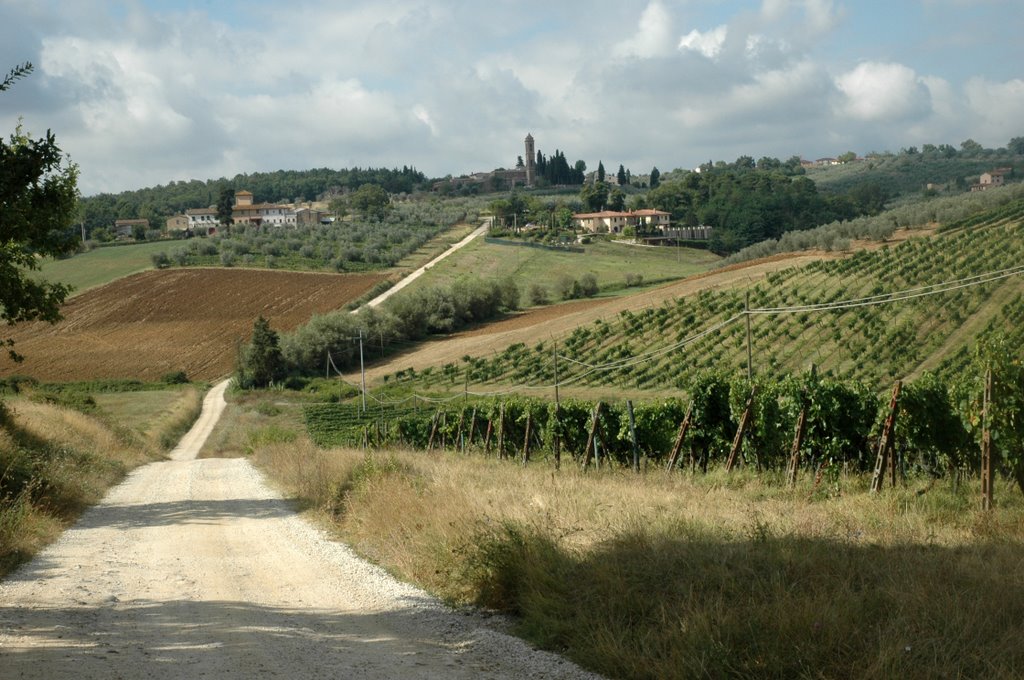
(482, 229)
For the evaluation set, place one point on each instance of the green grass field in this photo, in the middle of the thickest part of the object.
(104, 265)
(609, 262)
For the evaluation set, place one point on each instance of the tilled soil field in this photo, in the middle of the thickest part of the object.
(156, 322)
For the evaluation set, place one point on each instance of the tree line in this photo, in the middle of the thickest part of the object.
(282, 186)
(332, 340)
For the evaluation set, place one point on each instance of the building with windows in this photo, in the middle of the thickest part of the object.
(613, 222)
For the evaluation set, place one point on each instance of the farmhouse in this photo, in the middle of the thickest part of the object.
(177, 223)
(204, 220)
(270, 214)
(993, 178)
(612, 222)
(307, 217)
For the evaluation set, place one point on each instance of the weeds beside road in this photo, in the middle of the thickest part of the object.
(667, 576)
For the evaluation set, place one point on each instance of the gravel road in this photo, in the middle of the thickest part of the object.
(197, 569)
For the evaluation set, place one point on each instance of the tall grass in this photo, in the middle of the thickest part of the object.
(672, 576)
(56, 461)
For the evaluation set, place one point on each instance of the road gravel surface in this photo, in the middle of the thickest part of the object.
(198, 569)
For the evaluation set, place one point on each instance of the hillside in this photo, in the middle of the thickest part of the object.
(660, 340)
(908, 174)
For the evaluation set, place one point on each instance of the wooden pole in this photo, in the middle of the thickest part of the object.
(526, 439)
(750, 361)
(433, 430)
(462, 421)
(487, 436)
(362, 369)
(590, 437)
(501, 431)
(885, 458)
(472, 426)
(556, 443)
(632, 436)
(737, 441)
(798, 438)
(673, 457)
(986, 444)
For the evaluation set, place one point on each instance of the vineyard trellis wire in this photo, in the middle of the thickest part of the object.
(841, 418)
(940, 419)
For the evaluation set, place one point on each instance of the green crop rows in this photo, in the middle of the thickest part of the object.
(872, 344)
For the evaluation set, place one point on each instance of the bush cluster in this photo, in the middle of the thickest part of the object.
(333, 338)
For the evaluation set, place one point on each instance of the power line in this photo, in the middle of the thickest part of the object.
(838, 305)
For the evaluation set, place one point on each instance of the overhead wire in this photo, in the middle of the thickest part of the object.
(837, 305)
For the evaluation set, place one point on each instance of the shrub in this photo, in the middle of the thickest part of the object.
(588, 285)
(174, 378)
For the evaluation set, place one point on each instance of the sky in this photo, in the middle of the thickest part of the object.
(144, 92)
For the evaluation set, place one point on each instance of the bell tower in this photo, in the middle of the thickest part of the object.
(530, 160)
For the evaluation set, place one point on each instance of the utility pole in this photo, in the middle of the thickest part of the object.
(750, 364)
(362, 368)
(558, 438)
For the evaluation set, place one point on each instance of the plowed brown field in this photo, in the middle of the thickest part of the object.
(152, 323)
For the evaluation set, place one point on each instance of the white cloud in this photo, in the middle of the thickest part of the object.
(653, 36)
(422, 115)
(997, 109)
(708, 44)
(141, 96)
(819, 16)
(881, 92)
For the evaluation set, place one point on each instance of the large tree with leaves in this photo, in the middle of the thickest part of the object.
(38, 205)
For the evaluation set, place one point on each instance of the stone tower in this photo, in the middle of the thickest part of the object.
(530, 160)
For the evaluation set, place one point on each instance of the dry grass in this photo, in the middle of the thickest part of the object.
(55, 462)
(664, 576)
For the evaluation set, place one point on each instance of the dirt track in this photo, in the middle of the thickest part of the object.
(195, 568)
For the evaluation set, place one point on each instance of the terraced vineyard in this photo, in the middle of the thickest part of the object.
(666, 346)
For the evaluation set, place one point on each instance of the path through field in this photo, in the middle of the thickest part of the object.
(197, 569)
(479, 231)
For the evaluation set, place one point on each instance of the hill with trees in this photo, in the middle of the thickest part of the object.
(282, 186)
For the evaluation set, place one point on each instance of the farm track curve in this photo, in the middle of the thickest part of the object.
(196, 568)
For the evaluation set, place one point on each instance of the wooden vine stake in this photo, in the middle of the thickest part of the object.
(798, 438)
(487, 436)
(458, 431)
(673, 457)
(986, 444)
(886, 459)
(433, 430)
(556, 443)
(472, 428)
(632, 436)
(526, 439)
(501, 431)
(737, 441)
(595, 423)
